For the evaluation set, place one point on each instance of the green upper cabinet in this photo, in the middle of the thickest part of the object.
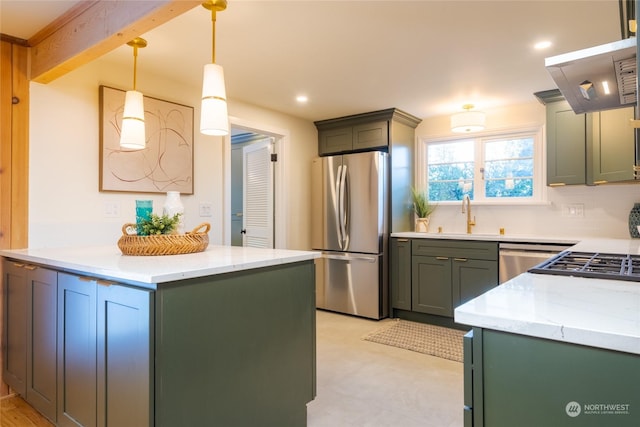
(594, 148)
(566, 136)
(610, 146)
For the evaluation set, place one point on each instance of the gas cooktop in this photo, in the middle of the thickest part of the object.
(592, 264)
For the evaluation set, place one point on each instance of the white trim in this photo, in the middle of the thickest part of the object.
(282, 140)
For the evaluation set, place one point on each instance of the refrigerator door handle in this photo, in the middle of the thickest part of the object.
(344, 208)
(347, 258)
(337, 209)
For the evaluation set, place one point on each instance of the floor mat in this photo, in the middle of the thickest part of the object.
(423, 338)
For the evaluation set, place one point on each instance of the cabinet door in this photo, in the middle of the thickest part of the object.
(431, 285)
(401, 273)
(332, 141)
(611, 150)
(42, 285)
(566, 145)
(371, 135)
(471, 278)
(125, 349)
(76, 351)
(14, 337)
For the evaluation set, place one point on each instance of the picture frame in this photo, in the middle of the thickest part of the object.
(165, 164)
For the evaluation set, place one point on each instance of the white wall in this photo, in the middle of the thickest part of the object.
(606, 207)
(65, 206)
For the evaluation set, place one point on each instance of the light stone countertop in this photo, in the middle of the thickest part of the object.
(593, 312)
(109, 263)
(515, 238)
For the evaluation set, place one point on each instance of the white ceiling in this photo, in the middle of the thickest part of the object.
(425, 57)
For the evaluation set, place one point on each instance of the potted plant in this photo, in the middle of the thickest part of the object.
(422, 209)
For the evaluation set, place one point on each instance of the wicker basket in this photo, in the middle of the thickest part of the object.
(164, 244)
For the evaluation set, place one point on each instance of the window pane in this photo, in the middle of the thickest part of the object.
(508, 168)
(450, 167)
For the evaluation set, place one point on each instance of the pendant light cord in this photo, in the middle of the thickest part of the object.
(213, 35)
(135, 65)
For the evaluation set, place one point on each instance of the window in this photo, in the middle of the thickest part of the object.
(502, 168)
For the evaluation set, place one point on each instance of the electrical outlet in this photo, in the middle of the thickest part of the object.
(573, 210)
(206, 209)
(112, 209)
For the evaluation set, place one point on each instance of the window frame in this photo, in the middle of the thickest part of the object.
(480, 138)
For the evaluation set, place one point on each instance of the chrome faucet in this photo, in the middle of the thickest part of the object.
(470, 223)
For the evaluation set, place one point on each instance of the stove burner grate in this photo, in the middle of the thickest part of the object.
(594, 265)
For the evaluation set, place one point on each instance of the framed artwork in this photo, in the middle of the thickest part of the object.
(165, 164)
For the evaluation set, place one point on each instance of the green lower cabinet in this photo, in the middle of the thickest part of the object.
(524, 381)
(431, 285)
(472, 278)
(432, 277)
(400, 270)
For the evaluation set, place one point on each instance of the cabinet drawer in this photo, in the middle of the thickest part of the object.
(456, 248)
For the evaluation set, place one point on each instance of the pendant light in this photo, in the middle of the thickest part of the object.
(213, 112)
(132, 135)
(468, 121)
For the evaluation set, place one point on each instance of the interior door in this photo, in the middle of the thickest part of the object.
(257, 212)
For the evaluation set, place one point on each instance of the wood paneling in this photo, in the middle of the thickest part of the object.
(94, 28)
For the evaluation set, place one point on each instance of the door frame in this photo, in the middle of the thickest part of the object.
(282, 138)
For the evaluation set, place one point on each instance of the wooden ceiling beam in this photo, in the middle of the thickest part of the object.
(94, 28)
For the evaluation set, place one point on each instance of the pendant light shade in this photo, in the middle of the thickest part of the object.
(214, 119)
(213, 112)
(468, 121)
(132, 134)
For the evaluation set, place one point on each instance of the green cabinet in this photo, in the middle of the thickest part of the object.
(610, 147)
(570, 384)
(431, 285)
(400, 270)
(14, 325)
(41, 393)
(29, 334)
(592, 149)
(359, 137)
(433, 276)
(104, 353)
(566, 136)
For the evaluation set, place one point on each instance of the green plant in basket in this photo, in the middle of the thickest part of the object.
(156, 224)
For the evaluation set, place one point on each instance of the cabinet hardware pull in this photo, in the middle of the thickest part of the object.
(86, 279)
(460, 259)
(30, 267)
(600, 182)
(442, 258)
(104, 282)
(403, 240)
(18, 264)
(557, 184)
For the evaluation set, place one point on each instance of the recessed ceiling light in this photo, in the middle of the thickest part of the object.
(542, 44)
(302, 99)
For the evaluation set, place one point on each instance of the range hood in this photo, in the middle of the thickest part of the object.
(580, 76)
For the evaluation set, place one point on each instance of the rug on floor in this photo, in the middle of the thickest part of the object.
(423, 338)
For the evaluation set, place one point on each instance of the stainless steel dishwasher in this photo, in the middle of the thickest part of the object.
(517, 258)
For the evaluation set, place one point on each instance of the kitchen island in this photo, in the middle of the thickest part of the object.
(555, 349)
(221, 337)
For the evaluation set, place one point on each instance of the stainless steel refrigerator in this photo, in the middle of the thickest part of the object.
(350, 227)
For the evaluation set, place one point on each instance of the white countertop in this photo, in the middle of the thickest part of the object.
(108, 262)
(524, 238)
(592, 312)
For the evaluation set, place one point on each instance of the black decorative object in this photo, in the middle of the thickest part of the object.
(634, 221)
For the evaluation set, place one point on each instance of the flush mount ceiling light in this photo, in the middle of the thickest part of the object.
(467, 121)
(214, 119)
(132, 136)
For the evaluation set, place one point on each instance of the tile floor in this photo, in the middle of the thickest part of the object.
(365, 384)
